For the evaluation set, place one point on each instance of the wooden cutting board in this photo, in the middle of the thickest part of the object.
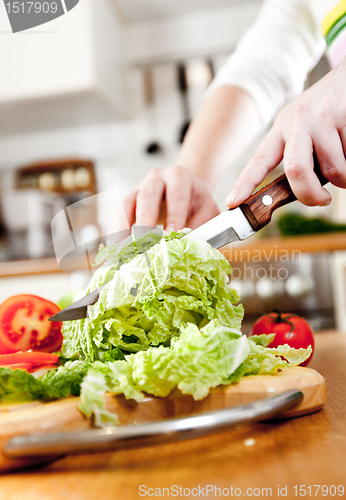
(63, 415)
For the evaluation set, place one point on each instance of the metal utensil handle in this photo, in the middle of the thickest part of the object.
(163, 431)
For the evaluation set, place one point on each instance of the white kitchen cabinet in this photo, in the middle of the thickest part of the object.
(72, 65)
(194, 33)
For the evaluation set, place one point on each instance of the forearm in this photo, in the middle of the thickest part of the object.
(270, 65)
(226, 125)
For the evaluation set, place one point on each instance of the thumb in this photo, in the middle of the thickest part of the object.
(267, 157)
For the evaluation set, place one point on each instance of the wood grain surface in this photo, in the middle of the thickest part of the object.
(64, 414)
(259, 214)
(309, 450)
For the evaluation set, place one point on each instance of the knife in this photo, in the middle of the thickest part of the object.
(233, 225)
(152, 433)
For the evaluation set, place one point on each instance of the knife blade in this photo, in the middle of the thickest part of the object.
(233, 225)
(79, 309)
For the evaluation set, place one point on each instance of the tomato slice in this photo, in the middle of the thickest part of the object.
(20, 366)
(34, 358)
(24, 325)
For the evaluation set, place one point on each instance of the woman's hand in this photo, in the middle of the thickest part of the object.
(314, 121)
(189, 202)
(224, 127)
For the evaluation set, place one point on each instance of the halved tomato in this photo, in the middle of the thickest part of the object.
(24, 325)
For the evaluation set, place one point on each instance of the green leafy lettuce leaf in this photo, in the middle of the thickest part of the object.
(65, 380)
(19, 385)
(150, 297)
(61, 382)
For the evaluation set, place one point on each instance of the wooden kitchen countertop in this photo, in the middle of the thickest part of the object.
(237, 252)
(309, 450)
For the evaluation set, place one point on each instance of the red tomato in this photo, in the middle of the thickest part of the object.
(288, 328)
(24, 325)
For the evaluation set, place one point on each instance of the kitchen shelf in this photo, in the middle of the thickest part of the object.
(274, 246)
(235, 253)
(80, 176)
(37, 266)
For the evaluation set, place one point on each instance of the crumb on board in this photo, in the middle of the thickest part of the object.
(249, 442)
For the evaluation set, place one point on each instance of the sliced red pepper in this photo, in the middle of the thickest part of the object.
(34, 358)
(20, 366)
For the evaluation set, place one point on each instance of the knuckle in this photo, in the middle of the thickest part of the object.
(177, 196)
(260, 157)
(301, 107)
(330, 170)
(280, 117)
(322, 115)
(335, 173)
(154, 172)
(145, 194)
(293, 168)
(179, 171)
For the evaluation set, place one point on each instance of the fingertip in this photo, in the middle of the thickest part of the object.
(326, 203)
(327, 200)
(231, 198)
(170, 227)
(237, 196)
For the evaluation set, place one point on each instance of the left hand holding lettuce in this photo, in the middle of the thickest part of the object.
(166, 319)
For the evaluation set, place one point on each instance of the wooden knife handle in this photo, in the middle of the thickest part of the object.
(260, 206)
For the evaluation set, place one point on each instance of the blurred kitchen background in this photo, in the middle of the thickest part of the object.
(91, 102)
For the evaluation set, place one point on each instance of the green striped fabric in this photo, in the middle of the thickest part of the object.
(337, 27)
